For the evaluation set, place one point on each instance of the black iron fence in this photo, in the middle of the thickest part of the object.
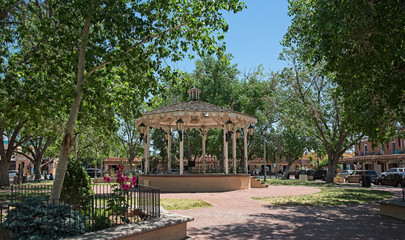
(30, 215)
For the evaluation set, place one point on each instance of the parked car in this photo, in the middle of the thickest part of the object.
(393, 179)
(92, 172)
(345, 173)
(12, 173)
(321, 174)
(136, 172)
(304, 171)
(356, 176)
(392, 170)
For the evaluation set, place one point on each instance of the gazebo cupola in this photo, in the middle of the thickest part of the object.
(194, 94)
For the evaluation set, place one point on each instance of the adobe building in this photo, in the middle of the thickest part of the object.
(110, 164)
(378, 157)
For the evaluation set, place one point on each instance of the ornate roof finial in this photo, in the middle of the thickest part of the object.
(194, 94)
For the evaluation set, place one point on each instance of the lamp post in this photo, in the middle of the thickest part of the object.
(250, 133)
(102, 158)
(275, 154)
(179, 125)
(236, 142)
(264, 132)
(95, 167)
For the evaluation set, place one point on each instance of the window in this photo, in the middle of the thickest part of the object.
(365, 148)
(393, 146)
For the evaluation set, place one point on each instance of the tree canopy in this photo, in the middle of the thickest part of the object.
(363, 44)
(83, 50)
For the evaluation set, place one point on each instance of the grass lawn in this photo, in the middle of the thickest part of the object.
(330, 194)
(5, 196)
(296, 182)
(183, 204)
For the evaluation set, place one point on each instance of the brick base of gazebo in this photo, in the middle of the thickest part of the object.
(196, 183)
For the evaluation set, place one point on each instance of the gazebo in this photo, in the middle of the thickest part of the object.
(200, 115)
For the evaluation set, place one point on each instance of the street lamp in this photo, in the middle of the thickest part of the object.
(250, 130)
(229, 128)
(95, 167)
(179, 125)
(102, 159)
(264, 132)
(238, 133)
(142, 129)
(166, 136)
(275, 155)
(250, 133)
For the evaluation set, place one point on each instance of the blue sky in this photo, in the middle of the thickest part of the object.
(254, 36)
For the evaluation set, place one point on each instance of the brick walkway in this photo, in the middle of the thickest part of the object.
(236, 216)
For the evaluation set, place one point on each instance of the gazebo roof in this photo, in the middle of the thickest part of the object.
(195, 114)
(191, 105)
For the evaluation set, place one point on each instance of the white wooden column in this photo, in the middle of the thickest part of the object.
(146, 150)
(245, 133)
(204, 139)
(181, 155)
(169, 150)
(225, 153)
(234, 149)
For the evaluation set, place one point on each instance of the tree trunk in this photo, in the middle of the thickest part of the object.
(67, 140)
(20, 173)
(37, 169)
(332, 162)
(4, 179)
(131, 160)
(286, 174)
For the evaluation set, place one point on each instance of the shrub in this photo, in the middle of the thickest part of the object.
(77, 184)
(36, 219)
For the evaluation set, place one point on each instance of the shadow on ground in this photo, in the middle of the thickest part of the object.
(359, 221)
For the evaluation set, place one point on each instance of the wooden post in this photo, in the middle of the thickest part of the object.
(169, 150)
(146, 150)
(234, 150)
(245, 133)
(225, 152)
(204, 138)
(181, 156)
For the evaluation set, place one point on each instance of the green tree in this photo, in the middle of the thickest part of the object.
(322, 109)
(29, 88)
(87, 44)
(362, 43)
(34, 150)
(217, 80)
(147, 30)
(293, 145)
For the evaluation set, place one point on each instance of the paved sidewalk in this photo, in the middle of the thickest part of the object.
(235, 215)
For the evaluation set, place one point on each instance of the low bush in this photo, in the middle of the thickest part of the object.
(37, 219)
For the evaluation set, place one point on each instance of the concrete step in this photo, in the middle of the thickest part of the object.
(254, 183)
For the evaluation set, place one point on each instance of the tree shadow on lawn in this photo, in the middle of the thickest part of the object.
(357, 221)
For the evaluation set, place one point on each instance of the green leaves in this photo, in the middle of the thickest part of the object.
(362, 44)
